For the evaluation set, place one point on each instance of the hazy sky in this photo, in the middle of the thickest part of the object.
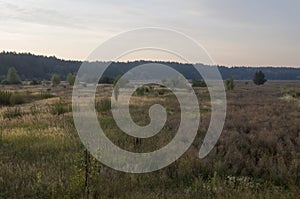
(234, 32)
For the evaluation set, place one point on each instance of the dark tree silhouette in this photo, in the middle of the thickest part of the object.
(259, 78)
(31, 66)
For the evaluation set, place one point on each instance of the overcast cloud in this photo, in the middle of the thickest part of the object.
(234, 32)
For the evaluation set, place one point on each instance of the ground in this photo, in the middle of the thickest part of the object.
(257, 155)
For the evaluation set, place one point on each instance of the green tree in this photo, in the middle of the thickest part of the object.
(12, 77)
(229, 84)
(55, 79)
(259, 78)
(71, 79)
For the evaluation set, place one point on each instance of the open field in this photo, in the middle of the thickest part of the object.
(257, 156)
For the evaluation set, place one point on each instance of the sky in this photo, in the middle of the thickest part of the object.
(233, 32)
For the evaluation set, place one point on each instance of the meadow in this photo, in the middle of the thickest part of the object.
(257, 155)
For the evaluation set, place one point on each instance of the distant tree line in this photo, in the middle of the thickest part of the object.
(31, 66)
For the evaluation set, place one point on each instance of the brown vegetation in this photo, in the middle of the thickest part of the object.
(257, 156)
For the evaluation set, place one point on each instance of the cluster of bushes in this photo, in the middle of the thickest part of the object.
(142, 90)
(12, 77)
(35, 81)
(55, 79)
(198, 83)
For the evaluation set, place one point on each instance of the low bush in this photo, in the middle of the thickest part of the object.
(16, 98)
(5, 98)
(103, 105)
(229, 84)
(35, 81)
(60, 107)
(9, 99)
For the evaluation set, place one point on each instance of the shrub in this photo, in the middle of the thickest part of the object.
(162, 91)
(198, 83)
(55, 79)
(229, 84)
(16, 98)
(71, 79)
(59, 108)
(142, 90)
(35, 81)
(5, 98)
(103, 105)
(8, 98)
(45, 82)
(4, 81)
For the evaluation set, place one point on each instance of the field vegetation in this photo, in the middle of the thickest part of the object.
(257, 156)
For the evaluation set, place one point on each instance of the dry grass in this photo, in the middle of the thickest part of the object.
(257, 156)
